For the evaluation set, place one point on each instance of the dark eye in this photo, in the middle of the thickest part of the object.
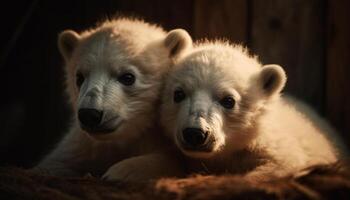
(79, 79)
(179, 95)
(227, 102)
(127, 79)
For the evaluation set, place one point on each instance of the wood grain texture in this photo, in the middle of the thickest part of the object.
(169, 14)
(221, 19)
(291, 33)
(338, 66)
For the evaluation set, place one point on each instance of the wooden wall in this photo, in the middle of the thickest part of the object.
(310, 39)
(338, 66)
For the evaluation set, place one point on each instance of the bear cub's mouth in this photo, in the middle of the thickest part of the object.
(106, 127)
(206, 147)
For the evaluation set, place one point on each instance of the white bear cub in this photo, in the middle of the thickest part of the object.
(114, 74)
(225, 112)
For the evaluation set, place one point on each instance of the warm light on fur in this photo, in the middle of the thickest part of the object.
(264, 134)
(101, 55)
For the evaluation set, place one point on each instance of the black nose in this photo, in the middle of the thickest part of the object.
(90, 117)
(194, 136)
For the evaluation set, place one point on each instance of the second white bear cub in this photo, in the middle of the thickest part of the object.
(225, 112)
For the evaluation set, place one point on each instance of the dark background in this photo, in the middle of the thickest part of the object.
(310, 39)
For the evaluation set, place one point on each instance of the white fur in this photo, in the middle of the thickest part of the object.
(101, 55)
(262, 136)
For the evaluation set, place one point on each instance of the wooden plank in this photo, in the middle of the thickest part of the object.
(169, 14)
(291, 33)
(338, 66)
(221, 19)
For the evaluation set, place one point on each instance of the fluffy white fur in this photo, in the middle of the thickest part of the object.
(101, 55)
(264, 135)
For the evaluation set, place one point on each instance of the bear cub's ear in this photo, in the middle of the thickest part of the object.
(177, 41)
(67, 41)
(272, 79)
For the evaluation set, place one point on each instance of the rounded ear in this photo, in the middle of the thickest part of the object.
(272, 79)
(67, 41)
(177, 41)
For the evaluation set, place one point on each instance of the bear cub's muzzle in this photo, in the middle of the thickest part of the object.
(94, 121)
(196, 139)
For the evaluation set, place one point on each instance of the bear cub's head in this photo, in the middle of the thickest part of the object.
(114, 73)
(214, 96)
